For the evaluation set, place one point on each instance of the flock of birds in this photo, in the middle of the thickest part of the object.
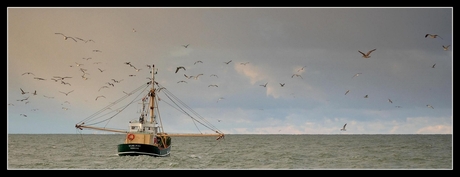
(81, 67)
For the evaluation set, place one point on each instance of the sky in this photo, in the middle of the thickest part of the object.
(314, 52)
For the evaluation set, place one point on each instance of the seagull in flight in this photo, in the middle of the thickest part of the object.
(445, 47)
(301, 69)
(433, 65)
(228, 62)
(100, 96)
(67, 37)
(343, 129)
(265, 85)
(179, 67)
(22, 91)
(357, 74)
(66, 94)
(297, 75)
(429, 106)
(347, 92)
(390, 100)
(196, 77)
(185, 46)
(432, 36)
(368, 54)
(28, 73)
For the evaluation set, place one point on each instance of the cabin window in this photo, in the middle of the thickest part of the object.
(133, 127)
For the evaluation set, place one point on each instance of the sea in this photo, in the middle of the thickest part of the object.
(236, 152)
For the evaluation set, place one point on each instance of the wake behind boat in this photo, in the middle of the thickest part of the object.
(145, 136)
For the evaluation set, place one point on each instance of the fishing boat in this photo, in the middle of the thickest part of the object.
(145, 135)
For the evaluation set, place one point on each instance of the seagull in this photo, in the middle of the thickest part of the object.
(367, 55)
(347, 92)
(357, 74)
(343, 129)
(433, 65)
(185, 46)
(180, 67)
(48, 96)
(228, 62)
(445, 47)
(22, 91)
(214, 75)
(429, 106)
(188, 77)
(105, 86)
(23, 99)
(199, 61)
(65, 83)
(66, 94)
(265, 85)
(196, 77)
(297, 75)
(66, 37)
(432, 36)
(181, 81)
(221, 98)
(282, 84)
(28, 73)
(100, 96)
(84, 40)
(390, 100)
(61, 78)
(366, 96)
(301, 69)
(244, 63)
(213, 85)
(118, 81)
(39, 78)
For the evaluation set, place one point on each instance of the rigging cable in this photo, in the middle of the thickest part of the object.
(92, 117)
(208, 124)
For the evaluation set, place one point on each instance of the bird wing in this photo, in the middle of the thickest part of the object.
(362, 53)
(368, 53)
(73, 39)
(61, 34)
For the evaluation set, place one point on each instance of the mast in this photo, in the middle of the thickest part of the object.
(152, 98)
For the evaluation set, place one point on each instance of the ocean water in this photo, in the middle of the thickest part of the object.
(238, 152)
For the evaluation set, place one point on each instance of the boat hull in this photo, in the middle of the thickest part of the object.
(135, 149)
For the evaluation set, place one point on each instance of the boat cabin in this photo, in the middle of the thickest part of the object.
(136, 126)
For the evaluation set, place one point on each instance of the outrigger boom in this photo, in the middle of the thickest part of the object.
(219, 135)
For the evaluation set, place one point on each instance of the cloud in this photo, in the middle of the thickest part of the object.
(436, 129)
